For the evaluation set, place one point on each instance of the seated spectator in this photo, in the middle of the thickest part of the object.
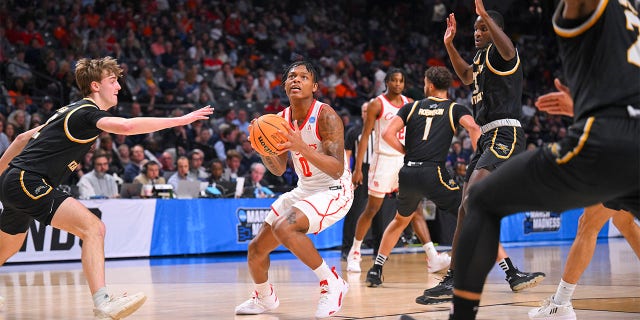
(20, 120)
(137, 160)
(97, 183)
(228, 140)
(457, 154)
(274, 105)
(204, 142)
(196, 158)
(242, 121)
(150, 174)
(182, 173)
(4, 140)
(167, 163)
(122, 154)
(226, 188)
(232, 167)
(249, 155)
(224, 78)
(254, 184)
(46, 109)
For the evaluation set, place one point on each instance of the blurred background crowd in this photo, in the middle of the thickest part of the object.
(180, 55)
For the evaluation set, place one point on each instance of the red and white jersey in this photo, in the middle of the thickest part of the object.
(387, 113)
(309, 176)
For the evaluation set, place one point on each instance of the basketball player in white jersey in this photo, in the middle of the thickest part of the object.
(383, 170)
(322, 197)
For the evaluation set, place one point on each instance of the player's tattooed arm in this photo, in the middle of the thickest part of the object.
(331, 131)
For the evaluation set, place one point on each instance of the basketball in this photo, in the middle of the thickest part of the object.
(264, 135)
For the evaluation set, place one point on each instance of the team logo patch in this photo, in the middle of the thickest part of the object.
(502, 149)
(312, 120)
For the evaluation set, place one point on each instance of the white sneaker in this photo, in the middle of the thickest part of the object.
(440, 262)
(120, 306)
(258, 305)
(549, 310)
(353, 261)
(332, 291)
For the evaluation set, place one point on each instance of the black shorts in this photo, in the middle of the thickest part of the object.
(431, 181)
(496, 147)
(26, 196)
(598, 161)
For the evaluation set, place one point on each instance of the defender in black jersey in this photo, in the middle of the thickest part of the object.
(596, 162)
(39, 159)
(496, 77)
(430, 126)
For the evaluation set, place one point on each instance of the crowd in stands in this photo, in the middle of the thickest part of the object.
(178, 55)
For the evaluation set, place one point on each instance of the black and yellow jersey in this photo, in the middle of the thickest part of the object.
(57, 149)
(430, 125)
(611, 36)
(497, 86)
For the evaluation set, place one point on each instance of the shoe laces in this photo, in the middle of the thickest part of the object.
(324, 291)
(447, 278)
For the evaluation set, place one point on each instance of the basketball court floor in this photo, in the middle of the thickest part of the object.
(210, 287)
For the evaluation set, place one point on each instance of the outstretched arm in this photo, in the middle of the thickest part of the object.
(462, 68)
(498, 37)
(559, 103)
(141, 125)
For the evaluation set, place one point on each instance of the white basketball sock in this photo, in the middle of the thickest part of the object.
(564, 292)
(430, 250)
(324, 272)
(357, 244)
(263, 289)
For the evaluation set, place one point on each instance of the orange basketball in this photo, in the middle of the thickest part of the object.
(264, 135)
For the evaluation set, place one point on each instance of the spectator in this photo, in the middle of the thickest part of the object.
(249, 155)
(166, 159)
(274, 106)
(225, 187)
(97, 182)
(224, 78)
(123, 156)
(18, 68)
(46, 108)
(137, 160)
(204, 142)
(254, 184)
(196, 158)
(4, 140)
(182, 174)
(242, 121)
(228, 141)
(232, 168)
(150, 174)
(18, 119)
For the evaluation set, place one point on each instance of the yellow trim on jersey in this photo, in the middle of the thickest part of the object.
(413, 108)
(498, 72)
(583, 139)
(493, 141)
(574, 32)
(66, 126)
(24, 188)
(453, 127)
(446, 185)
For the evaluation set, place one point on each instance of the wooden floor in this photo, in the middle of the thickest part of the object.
(210, 287)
